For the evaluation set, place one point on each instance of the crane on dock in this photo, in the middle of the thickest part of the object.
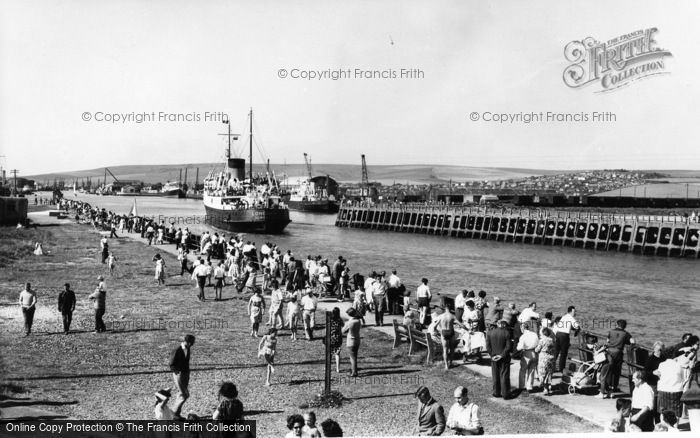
(307, 160)
(364, 188)
(116, 180)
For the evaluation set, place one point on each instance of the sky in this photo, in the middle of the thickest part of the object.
(67, 66)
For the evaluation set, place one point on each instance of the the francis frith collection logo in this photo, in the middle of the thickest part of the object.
(616, 62)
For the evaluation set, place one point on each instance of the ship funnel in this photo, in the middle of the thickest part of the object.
(237, 168)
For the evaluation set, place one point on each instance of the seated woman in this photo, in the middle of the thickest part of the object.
(410, 318)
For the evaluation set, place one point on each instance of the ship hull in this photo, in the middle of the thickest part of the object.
(168, 194)
(253, 220)
(324, 206)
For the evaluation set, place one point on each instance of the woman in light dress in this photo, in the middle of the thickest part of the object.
(545, 361)
(293, 313)
(160, 269)
(267, 349)
(256, 309)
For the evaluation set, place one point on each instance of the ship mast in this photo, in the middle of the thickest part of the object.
(250, 157)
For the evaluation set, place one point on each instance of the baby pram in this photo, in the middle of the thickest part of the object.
(324, 285)
(585, 376)
(471, 344)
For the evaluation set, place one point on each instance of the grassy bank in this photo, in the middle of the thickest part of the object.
(114, 375)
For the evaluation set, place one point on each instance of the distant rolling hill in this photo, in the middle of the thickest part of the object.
(347, 173)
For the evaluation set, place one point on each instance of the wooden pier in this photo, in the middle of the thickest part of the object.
(670, 236)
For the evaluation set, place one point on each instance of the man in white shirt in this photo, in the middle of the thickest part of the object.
(423, 295)
(642, 403)
(529, 314)
(27, 301)
(185, 238)
(460, 303)
(308, 305)
(566, 325)
(463, 418)
(528, 361)
(393, 292)
(219, 280)
(369, 291)
(200, 273)
(247, 248)
(307, 265)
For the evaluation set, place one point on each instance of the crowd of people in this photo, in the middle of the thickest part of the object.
(540, 342)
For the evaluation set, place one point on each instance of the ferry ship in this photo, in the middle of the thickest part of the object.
(243, 205)
(169, 190)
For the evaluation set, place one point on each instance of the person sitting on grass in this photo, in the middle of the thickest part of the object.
(668, 423)
(620, 423)
(230, 408)
(331, 428)
(267, 349)
(162, 410)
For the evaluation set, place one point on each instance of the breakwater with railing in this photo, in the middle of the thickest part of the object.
(671, 236)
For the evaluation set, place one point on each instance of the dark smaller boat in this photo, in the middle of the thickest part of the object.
(315, 194)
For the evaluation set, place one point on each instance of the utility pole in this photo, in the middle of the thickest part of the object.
(2, 173)
(365, 179)
(327, 375)
(14, 172)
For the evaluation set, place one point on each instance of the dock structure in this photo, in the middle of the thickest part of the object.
(671, 236)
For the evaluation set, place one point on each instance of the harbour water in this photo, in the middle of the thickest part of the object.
(658, 296)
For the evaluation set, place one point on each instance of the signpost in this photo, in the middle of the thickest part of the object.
(327, 380)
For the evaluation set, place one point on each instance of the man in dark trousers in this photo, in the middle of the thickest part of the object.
(180, 366)
(610, 373)
(338, 268)
(66, 305)
(100, 304)
(566, 325)
(498, 345)
(104, 247)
